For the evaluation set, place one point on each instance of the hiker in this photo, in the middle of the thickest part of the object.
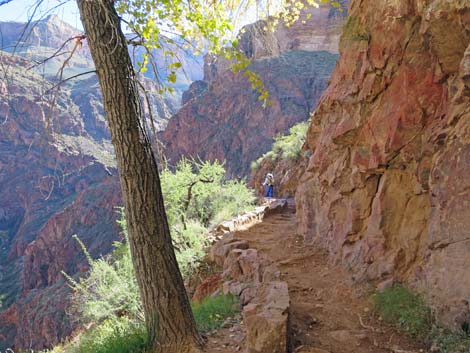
(269, 183)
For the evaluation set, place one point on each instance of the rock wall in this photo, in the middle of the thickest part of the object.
(386, 188)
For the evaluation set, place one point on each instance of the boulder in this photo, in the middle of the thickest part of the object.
(243, 266)
(219, 252)
(209, 286)
(276, 206)
(266, 321)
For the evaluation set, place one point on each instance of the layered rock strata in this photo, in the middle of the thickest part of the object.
(222, 118)
(57, 179)
(386, 188)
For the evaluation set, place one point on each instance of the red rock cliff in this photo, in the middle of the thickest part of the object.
(55, 181)
(386, 188)
(222, 118)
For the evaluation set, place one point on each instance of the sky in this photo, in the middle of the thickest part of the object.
(21, 10)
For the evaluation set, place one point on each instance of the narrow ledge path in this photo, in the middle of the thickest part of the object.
(329, 312)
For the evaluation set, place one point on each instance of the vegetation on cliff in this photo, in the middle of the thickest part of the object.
(409, 311)
(285, 147)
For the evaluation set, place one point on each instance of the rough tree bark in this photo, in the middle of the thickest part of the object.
(168, 314)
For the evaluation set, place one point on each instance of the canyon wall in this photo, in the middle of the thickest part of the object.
(57, 179)
(385, 184)
(57, 176)
(222, 118)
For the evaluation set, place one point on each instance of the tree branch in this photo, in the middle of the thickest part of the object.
(70, 78)
(190, 196)
(77, 39)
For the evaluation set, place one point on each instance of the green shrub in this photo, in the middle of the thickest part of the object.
(450, 342)
(407, 310)
(235, 199)
(285, 147)
(110, 290)
(211, 313)
(119, 335)
(289, 146)
(190, 245)
(399, 306)
(199, 191)
(122, 335)
(109, 296)
(254, 165)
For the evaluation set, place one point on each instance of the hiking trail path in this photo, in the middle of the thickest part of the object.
(329, 312)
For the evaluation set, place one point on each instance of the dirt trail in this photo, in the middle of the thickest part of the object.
(329, 312)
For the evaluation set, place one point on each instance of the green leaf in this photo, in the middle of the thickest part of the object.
(172, 77)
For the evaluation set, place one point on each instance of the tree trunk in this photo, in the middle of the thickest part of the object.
(168, 314)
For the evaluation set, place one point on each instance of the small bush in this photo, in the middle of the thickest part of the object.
(190, 244)
(235, 199)
(211, 313)
(110, 290)
(254, 165)
(399, 306)
(288, 147)
(113, 336)
(450, 342)
(285, 147)
(199, 191)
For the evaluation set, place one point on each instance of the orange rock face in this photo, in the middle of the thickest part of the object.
(386, 187)
(208, 287)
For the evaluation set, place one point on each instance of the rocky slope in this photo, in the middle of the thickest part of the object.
(222, 118)
(57, 179)
(386, 187)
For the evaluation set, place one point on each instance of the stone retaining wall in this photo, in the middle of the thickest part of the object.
(264, 297)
